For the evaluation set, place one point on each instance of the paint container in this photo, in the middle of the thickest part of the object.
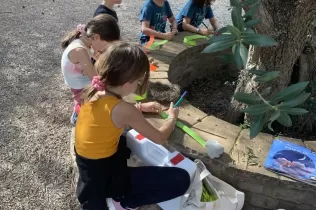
(152, 154)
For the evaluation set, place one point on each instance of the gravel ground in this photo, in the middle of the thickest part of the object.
(35, 170)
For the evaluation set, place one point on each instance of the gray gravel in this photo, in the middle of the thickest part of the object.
(35, 169)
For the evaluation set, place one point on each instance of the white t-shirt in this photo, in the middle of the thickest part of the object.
(73, 73)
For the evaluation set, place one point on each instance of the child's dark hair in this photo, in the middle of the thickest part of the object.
(202, 3)
(121, 63)
(104, 25)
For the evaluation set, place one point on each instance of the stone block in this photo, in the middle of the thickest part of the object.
(251, 154)
(261, 201)
(310, 145)
(220, 128)
(292, 140)
(297, 185)
(174, 47)
(158, 75)
(162, 81)
(155, 119)
(251, 187)
(290, 195)
(162, 56)
(248, 206)
(163, 67)
(190, 114)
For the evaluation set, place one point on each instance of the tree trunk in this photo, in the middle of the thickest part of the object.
(289, 23)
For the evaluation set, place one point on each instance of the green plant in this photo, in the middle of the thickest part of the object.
(262, 106)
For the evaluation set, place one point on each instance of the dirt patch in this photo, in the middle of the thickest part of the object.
(212, 95)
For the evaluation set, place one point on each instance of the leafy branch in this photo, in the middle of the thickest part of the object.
(239, 37)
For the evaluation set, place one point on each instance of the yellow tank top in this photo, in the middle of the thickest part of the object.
(96, 136)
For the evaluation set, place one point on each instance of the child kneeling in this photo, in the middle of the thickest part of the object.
(192, 15)
(154, 15)
(101, 152)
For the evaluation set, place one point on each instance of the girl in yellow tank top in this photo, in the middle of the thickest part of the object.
(105, 180)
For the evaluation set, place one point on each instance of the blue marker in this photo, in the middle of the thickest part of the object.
(180, 99)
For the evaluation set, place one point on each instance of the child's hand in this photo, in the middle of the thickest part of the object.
(174, 31)
(168, 35)
(173, 112)
(205, 31)
(151, 107)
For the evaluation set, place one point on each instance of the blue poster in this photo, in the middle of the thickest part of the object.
(291, 160)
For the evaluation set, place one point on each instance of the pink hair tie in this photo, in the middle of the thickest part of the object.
(97, 83)
(81, 28)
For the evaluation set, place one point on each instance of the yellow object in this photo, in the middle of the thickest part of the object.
(96, 136)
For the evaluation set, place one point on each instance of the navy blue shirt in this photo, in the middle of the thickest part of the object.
(195, 13)
(156, 15)
(104, 10)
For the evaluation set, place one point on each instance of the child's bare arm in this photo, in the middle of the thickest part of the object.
(174, 24)
(214, 23)
(83, 59)
(150, 32)
(126, 114)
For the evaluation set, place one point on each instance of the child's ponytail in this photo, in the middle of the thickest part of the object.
(72, 35)
(104, 25)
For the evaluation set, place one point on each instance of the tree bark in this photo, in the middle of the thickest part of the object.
(289, 23)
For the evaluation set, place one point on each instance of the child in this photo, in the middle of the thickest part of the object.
(101, 152)
(106, 7)
(76, 65)
(154, 15)
(192, 15)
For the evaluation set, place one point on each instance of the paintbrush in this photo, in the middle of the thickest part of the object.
(180, 99)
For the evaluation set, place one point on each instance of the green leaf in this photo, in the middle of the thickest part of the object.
(237, 19)
(227, 59)
(257, 125)
(285, 119)
(250, 2)
(257, 109)
(253, 9)
(251, 23)
(234, 31)
(218, 46)
(223, 37)
(268, 76)
(266, 91)
(247, 98)
(297, 100)
(289, 92)
(244, 54)
(275, 115)
(235, 3)
(222, 30)
(236, 52)
(294, 111)
(258, 40)
(257, 72)
(249, 31)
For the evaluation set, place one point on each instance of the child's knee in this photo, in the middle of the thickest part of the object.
(184, 181)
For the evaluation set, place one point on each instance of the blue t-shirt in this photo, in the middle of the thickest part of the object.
(156, 15)
(197, 14)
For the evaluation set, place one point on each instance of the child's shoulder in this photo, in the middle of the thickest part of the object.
(101, 9)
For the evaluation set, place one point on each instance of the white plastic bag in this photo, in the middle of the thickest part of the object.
(228, 198)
